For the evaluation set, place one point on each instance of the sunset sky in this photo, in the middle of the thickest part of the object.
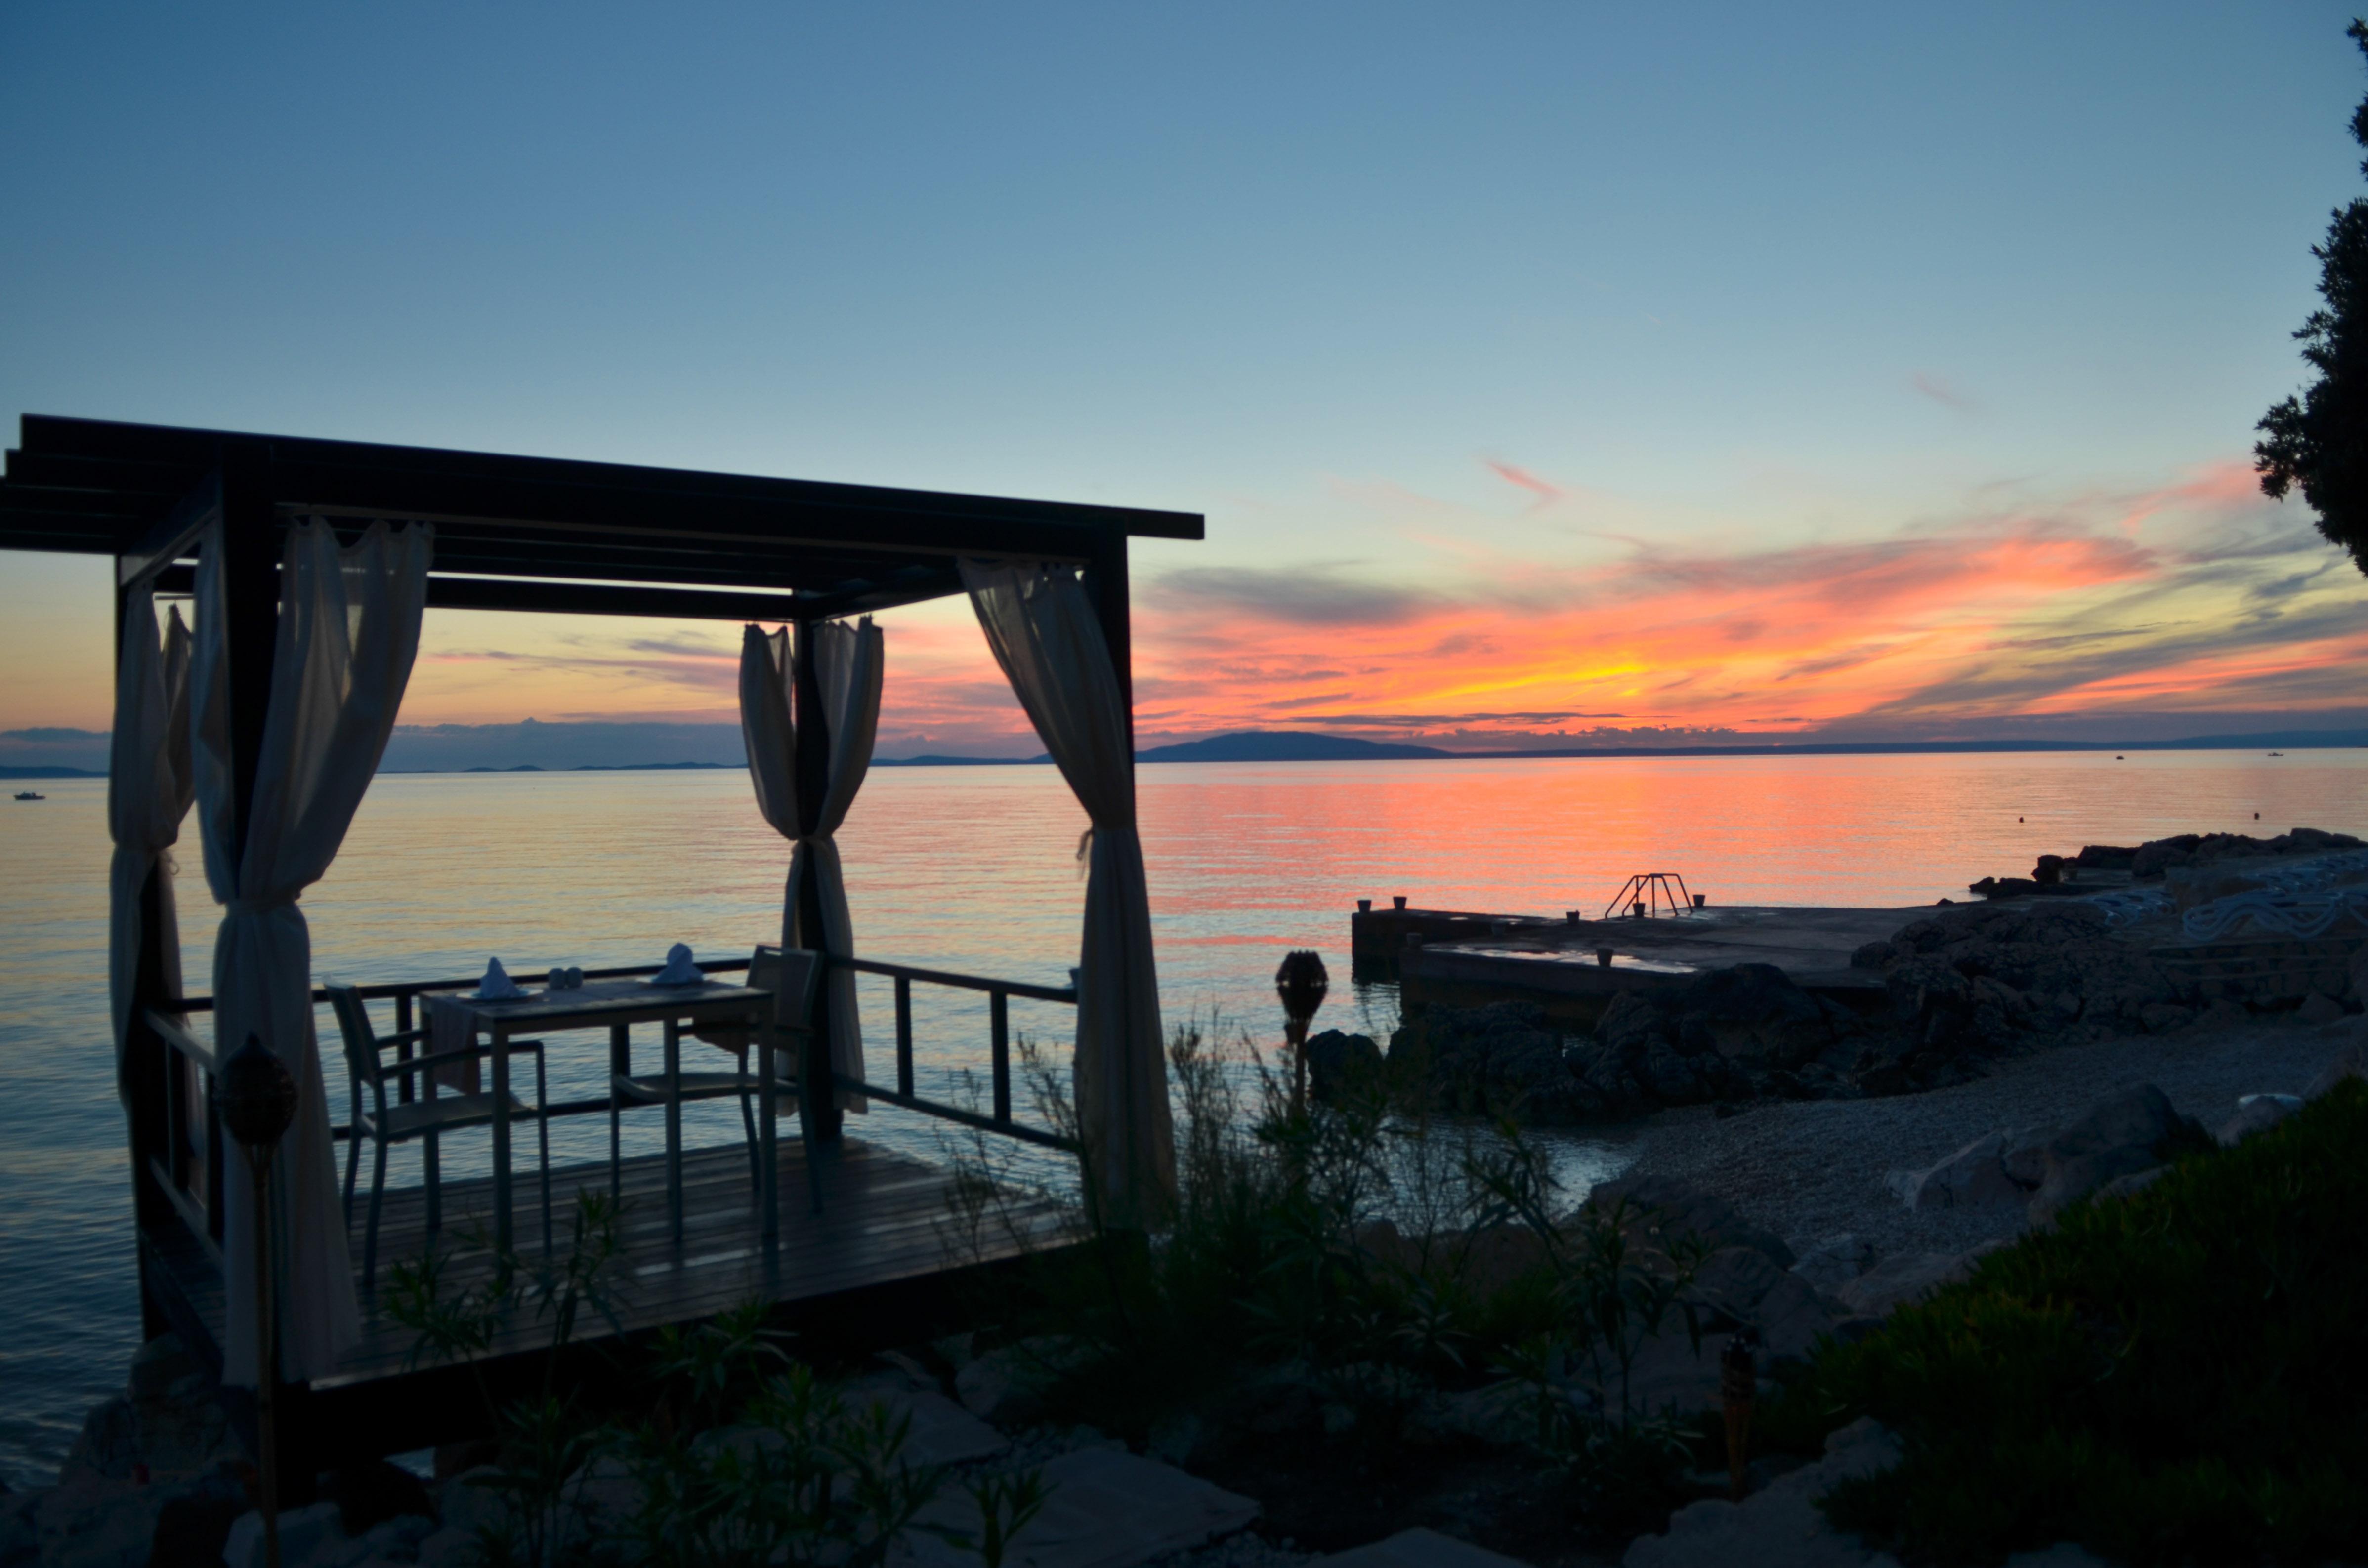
(1544, 370)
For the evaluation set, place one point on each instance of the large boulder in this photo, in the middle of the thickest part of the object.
(95, 1521)
(1975, 1177)
(1779, 1526)
(1009, 1385)
(1828, 1263)
(2158, 855)
(1753, 1016)
(2120, 1135)
(170, 1419)
(1505, 1058)
(1731, 1033)
(1670, 1207)
(1989, 980)
(1749, 1289)
(1907, 1277)
(1336, 1061)
(2255, 1113)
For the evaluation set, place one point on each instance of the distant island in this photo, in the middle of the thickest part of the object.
(1312, 745)
(579, 767)
(1284, 745)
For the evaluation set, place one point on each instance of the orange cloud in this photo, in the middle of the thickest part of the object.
(2196, 596)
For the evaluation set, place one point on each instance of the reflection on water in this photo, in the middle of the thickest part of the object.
(974, 869)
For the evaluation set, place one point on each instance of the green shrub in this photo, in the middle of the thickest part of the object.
(2176, 1377)
(1317, 1236)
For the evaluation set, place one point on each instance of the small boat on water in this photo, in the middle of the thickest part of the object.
(29, 795)
(2277, 754)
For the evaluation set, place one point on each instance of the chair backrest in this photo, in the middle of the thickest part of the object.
(353, 1022)
(791, 975)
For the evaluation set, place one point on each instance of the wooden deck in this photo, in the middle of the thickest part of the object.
(881, 1262)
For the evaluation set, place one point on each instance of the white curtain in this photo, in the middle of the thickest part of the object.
(148, 789)
(348, 630)
(769, 734)
(1045, 636)
(849, 662)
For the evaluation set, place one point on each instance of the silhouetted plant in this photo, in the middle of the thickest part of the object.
(707, 1370)
(808, 1481)
(1006, 1504)
(1617, 1284)
(2319, 441)
(544, 1440)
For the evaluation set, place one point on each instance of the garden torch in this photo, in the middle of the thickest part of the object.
(1738, 1386)
(258, 1100)
(1301, 983)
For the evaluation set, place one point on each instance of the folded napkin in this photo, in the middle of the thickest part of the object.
(497, 984)
(679, 970)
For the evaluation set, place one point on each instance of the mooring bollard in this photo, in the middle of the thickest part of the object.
(1397, 901)
(1603, 957)
(1364, 906)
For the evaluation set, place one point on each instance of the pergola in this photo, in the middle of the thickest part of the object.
(223, 514)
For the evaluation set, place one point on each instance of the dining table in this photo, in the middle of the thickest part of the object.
(457, 1018)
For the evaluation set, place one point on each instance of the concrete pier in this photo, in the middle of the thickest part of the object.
(1463, 956)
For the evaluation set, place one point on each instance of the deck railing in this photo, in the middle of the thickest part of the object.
(176, 1169)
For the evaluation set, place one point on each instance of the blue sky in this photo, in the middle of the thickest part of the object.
(1413, 302)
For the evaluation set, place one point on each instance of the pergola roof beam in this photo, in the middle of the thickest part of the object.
(151, 447)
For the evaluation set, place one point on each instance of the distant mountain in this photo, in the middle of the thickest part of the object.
(2269, 740)
(1283, 745)
(553, 748)
(934, 759)
(51, 773)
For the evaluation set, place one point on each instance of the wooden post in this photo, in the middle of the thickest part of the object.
(1106, 586)
(813, 783)
(250, 610)
(999, 1045)
(250, 580)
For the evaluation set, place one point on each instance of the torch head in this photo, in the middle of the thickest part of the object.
(256, 1094)
(1301, 983)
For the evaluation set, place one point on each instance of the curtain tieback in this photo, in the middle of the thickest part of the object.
(259, 906)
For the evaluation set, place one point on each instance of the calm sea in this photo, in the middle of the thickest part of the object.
(974, 869)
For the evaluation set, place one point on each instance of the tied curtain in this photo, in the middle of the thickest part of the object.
(848, 666)
(1045, 636)
(148, 793)
(348, 630)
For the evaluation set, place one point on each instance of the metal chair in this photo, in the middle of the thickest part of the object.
(425, 1118)
(791, 974)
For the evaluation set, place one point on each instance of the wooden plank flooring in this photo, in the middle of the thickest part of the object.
(884, 1219)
